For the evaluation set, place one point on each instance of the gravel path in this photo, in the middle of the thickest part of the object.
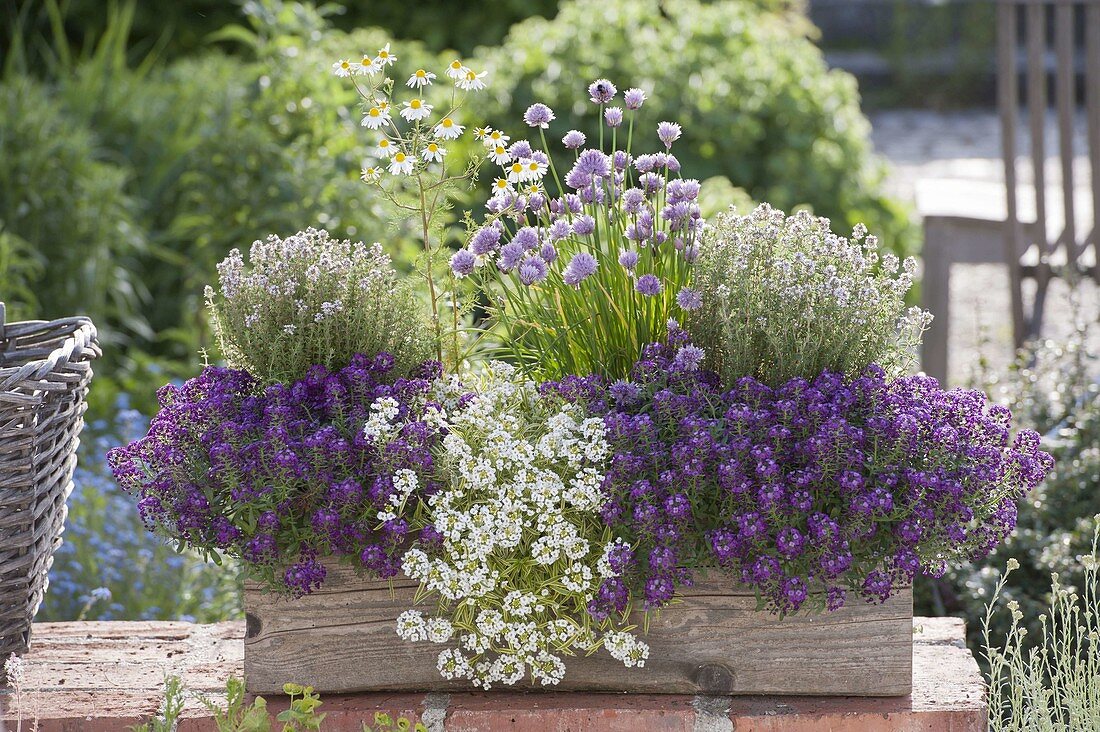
(925, 147)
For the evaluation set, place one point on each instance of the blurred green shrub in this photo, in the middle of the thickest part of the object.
(1053, 389)
(758, 104)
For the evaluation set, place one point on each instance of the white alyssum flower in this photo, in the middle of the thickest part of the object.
(524, 549)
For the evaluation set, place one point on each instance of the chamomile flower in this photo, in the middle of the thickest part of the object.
(472, 81)
(385, 147)
(517, 172)
(401, 164)
(535, 189)
(420, 79)
(415, 110)
(495, 137)
(343, 67)
(500, 155)
(367, 66)
(481, 133)
(371, 174)
(457, 70)
(448, 129)
(375, 118)
(386, 57)
(433, 153)
(535, 168)
(502, 185)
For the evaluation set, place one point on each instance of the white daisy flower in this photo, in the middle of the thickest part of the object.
(500, 185)
(448, 129)
(343, 67)
(366, 65)
(371, 173)
(416, 110)
(480, 133)
(535, 169)
(500, 155)
(457, 70)
(517, 172)
(385, 57)
(375, 118)
(385, 148)
(433, 153)
(495, 137)
(472, 81)
(401, 164)
(420, 79)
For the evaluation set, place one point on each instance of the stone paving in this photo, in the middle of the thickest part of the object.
(924, 148)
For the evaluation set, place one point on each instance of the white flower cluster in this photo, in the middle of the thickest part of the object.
(398, 153)
(524, 549)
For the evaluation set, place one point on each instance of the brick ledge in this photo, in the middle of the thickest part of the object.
(105, 676)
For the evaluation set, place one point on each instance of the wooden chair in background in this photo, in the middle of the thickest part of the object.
(1040, 230)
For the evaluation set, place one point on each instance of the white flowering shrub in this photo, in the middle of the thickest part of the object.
(310, 299)
(522, 548)
(784, 297)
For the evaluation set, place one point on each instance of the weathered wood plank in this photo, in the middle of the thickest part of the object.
(713, 641)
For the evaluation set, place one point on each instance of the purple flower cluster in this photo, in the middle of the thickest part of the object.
(284, 475)
(804, 492)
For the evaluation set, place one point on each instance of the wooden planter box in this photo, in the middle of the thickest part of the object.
(342, 639)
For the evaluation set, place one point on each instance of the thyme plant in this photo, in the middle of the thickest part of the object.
(783, 297)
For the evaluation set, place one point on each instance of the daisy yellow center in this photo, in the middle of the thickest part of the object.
(375, 112)
(383, 54)
(495, 135)
(501, 183)
(517, 168)
(499, 150)
(470, 76)
(399, 157)
(415, 104)
(366, 61)
(533, 166)
(456, 65)
(421, 74)
(345, 64)
(383, 143)
(432, 147)
(447, 123)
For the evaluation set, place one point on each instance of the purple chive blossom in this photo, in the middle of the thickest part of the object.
(510, 256)
(462, 263)
(538, 115)
(689, 299)
(548, 253)
(601, 91)
(581, 266)
(669, 132)
(648, 285)
(520, 149)
(634, 98)
(532, 269)
(629, 259)
(613, 116)
(573, 140)
(584, 225)
(485, 240)
(527, 237)
(560, 229)
(633, 199)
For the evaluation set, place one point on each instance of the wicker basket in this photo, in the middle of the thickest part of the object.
(45, 368)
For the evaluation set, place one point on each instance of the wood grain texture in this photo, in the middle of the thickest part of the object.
(342, 639)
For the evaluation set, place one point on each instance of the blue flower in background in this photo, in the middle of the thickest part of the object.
(109, 567)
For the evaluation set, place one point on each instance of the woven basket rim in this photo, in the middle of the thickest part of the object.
(80, 344)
